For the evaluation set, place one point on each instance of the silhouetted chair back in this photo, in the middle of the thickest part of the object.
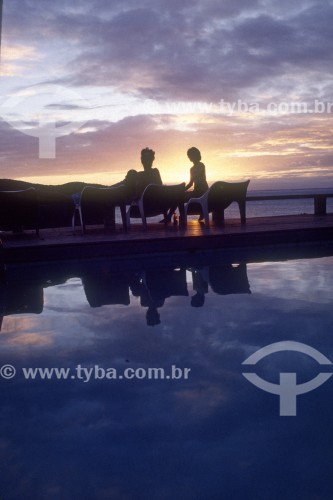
(97, 206)
(164, 283)
(229, 279)
(219, 197)
(21, 299)
(156, 200)
(19, 210)
(106, 290)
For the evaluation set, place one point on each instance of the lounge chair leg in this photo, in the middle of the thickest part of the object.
(123, 216)
(110, 219)
(83, 229)
(206, 216)
(73, 221)
(218, 218)
(182, 216)
(128, 218)
(242, 211)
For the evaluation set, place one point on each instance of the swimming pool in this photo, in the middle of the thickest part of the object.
(145, 395)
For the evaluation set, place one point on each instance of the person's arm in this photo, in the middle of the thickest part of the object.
(158, 176)
(190, 184)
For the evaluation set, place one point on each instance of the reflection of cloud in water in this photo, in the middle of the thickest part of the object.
(57, 297)
(201, 401)
(180, 439)
(31, 339)
(299, 277)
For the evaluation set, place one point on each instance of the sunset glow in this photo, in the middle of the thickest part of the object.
(250, 86)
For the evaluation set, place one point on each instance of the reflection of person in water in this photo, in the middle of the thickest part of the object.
(200, 285)
(152, 316)
(155, 285)
(139, 288)
(224, 279)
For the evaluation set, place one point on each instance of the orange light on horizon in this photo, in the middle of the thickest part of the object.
(172, 170)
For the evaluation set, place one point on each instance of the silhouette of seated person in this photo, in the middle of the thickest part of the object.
(136, 182)
(197, 180)
(108, 289)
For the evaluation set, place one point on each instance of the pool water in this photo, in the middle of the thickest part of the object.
(105, 428)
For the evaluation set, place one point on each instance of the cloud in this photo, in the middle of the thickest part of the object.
(183, 54)
(173, 51)
(121, 56)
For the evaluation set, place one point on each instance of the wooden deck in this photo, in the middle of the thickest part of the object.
(61, 244)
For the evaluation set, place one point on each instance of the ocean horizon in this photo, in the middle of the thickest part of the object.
(270, 207)
(281, 207)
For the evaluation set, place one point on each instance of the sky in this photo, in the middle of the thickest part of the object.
(86, 85)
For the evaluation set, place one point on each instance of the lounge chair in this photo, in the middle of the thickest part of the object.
(217, 198)
(18, 298)
(107, 289)
(226, 279)
(98, 204)
(157, 200)
(19, 210)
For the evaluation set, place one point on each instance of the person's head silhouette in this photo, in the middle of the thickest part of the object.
(194, 154)
(147, 158)
(152, 316)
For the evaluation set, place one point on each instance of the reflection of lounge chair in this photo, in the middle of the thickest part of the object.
(98, 204)
(217, 198)
(106, 290)
(164, 283)
(21, 299)
(229, 279)
(157, 200)
(154, 286)
(19, 210)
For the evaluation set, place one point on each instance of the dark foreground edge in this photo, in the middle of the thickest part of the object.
(259, 232)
